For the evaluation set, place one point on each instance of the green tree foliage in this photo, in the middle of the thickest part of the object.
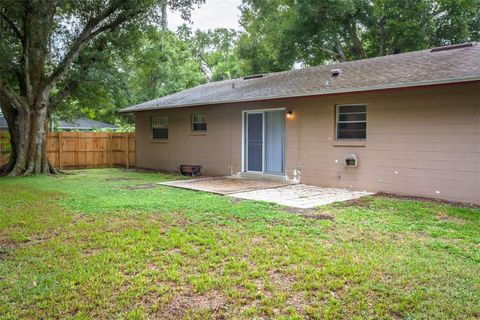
(158, 62)
(279, 33)
(162, 64)
(215, 51)
(262, 47)
(97, 83)
(49, 48)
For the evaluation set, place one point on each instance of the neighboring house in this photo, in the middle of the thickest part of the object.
(84, 124)
(81, 124)
(3, 123)
(406, 124)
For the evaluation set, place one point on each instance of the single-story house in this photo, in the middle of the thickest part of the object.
(81, 124)
(407, 124)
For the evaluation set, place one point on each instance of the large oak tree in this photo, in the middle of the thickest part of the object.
(279, 33)
(41, 43)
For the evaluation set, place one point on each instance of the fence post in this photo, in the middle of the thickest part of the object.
(127, 151)
(110, 136)
(60, 150)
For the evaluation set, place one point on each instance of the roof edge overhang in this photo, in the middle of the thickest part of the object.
(421, 84)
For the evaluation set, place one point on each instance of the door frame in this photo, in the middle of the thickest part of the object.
(244, 141)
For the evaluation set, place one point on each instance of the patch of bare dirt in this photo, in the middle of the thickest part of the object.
(3, 252)
(61, 175)
(186, 301)
(256, 240)
(236, 200)
(319, 216)
(7, 245)
(142, 186)
(285, 283)
(298, 210)
(91, 252)
(4, 241)
(173, 251)
(181, 222)
(120, 179)
(146, 170)
(426, 199)
(363, 202)
(282, 281)
(448, 218)
(277, 283)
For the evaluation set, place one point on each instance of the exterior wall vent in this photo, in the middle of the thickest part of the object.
(336, 72)
(453, 46)
(351, 161)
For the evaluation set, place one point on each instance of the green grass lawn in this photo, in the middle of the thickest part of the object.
(110, 244)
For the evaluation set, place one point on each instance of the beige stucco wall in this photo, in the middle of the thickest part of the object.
(423, 142)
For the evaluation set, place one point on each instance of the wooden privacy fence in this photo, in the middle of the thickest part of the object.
(77, 150)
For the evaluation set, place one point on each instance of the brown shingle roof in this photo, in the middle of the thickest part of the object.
(394, 71)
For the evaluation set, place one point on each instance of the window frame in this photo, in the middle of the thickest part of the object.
(192, 122)
(152, 128)
(337, 120)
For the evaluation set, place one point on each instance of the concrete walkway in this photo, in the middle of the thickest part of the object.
(287, 194)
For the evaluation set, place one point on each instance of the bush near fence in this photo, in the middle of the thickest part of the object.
(79, 150)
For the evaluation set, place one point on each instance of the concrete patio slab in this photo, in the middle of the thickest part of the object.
(225, 185)
(301, 196)
(279, 192)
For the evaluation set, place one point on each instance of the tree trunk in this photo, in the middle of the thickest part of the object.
(357, 44)
(25, 104)
(28, 136)
(382, 36)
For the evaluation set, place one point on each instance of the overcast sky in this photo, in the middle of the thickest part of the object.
(213, 14)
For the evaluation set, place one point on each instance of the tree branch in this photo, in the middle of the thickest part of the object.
(341, 55)
(115, 23)
(72, 84)
(5, 105)
(382, 36)
(357, 44)
(12, 25)
(205, 67)
(334, 54)
(86, 34)
(11, 95)
(67, 91)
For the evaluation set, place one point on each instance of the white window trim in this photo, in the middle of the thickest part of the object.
(337, 121)
(151, 128)
(192, 120)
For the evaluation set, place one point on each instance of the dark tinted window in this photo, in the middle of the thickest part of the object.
(199, 127)
(160, 128)
(199, 122)
(351, 122)
(160, 133)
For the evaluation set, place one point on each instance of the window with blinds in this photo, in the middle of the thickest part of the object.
(199, 122)
(160, 128)
(351, 122)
